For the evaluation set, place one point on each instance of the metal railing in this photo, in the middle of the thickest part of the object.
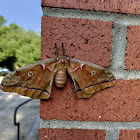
(15, 118)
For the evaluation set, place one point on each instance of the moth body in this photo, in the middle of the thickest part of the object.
(61, 75)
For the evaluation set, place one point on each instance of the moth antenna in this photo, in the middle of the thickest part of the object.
(63, 49)
(56, 50)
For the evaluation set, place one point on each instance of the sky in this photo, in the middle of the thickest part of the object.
(25, 13)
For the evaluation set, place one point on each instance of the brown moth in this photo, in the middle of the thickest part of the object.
(35, 80)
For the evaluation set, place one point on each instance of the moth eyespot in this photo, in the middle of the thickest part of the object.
(30, 74)
(93, 73)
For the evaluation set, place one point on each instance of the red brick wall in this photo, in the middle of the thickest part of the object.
(133, 48)
(123, 6)
(96, 39)
(129, 134)
(71, 134)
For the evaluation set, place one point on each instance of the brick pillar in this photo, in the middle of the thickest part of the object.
(109, 39)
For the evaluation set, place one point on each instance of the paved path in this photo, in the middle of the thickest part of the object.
(27, 115)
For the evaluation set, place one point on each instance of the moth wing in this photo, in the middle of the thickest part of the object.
(89, 78)
(33, 80)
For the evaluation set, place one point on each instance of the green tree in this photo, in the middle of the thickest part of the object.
(17, 46)
(2, 20)
(28, 49)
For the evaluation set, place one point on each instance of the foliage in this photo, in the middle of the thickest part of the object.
(17, 46)
(2, 20)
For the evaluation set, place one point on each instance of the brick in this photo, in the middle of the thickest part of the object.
(119, 103)
(129, 134)
(133, 48)
(123, 6)
(71, 134)
(87, 40)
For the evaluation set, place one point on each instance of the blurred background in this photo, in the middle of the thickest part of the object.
(20, 28)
